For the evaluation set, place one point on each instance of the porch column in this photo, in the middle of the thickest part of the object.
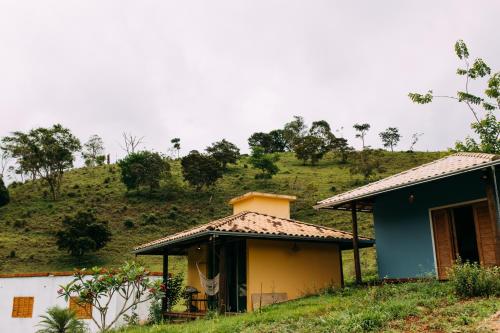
(222, 279)
(164, 300)
(355, 248)
(493, 205)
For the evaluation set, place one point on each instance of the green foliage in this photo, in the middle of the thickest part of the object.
(131, 282)
(362, 129)
(472, 280)
(341, 147)
(488, 130)
(367, 162)
(82, 233)
(200, 170)
(59, 320)
(44, 153)
(129, 223)
(266, 163)
(176, 142)
(93, 151)
(174, 290)
(144, 168)
(272, 142)
(310, 148)
(4, 194)
(486, 127)
(390, 137)
(293, 131)
(224, 152)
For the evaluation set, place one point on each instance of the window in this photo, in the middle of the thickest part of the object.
(22, 307)
(82, 310)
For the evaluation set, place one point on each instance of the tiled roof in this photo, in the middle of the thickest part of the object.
(444, 167)
(256, 223)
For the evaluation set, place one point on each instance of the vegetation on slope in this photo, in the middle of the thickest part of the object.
(29, 222)
(409, 307)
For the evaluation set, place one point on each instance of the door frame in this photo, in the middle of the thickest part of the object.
(458, 204)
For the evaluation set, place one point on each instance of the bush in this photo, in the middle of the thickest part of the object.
(471, 280)
(128, 223)
(4, 194)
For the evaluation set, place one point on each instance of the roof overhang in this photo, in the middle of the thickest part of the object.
(184, 242)
(369, 197)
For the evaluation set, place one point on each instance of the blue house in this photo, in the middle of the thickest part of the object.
(427, 217)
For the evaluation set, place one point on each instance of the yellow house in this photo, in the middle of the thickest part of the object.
(256, 256)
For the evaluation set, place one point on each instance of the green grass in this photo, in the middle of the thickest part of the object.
(410, 307)
(29, 222)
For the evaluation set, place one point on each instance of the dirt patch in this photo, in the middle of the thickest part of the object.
(492, 323)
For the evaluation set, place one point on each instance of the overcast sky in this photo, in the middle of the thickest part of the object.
(207, 70)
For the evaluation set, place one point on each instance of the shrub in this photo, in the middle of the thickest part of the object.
(471, 280)
(4, 194)
(83, 233)
(128, 223)
(61, 320)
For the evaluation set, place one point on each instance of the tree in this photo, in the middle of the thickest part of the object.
(131, 142)
(93, 151)
(414, 139)
(144, 168)
(486, 127)
(266, 163)
(390, 137)
(362, 129)
(82, 233)
(200, 170)
(278, 142)
(44, 152)
(293, 131)
(176, 142)
(4, 194)
(341, 147)
(310, 148)
(59, 320)
(97, 286)
(4, 161)
(367, 162)
(321, 129)
(272, 142)
(224, 152)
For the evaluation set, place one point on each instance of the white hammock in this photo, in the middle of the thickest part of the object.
(211, 286)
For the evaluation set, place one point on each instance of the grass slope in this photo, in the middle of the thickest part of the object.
(410, 307)
(29, 222)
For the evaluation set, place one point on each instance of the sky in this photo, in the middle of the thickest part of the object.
(207, 70)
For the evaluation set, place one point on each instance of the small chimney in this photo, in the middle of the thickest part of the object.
(266, 203)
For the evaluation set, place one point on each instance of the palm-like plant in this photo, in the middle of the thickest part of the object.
(59, 320)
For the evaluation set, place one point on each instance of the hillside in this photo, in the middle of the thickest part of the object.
(29, 222)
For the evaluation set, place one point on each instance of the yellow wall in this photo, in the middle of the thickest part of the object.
(281, 269)
(200, 257)
(272, 206)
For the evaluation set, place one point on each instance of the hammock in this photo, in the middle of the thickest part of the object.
(211, 286)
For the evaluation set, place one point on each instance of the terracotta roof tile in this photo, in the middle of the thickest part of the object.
(443, 167)
(256, 223)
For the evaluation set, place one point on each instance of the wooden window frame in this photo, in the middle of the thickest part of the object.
(82, 310)
(22, 306)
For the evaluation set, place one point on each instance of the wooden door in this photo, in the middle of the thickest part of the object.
(443, 242)
(485, 233)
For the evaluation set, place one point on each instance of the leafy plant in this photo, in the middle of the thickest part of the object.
(93, 151)
(58, 320)
(486, 127)
(200, 170)
(144, 168)
(367, 162)
(362, 129)
(43, 152)
(4, 194)
(390, 137)
(97, 286)
(82, 233)
(224, 152)
(266, 163)
(472, 280)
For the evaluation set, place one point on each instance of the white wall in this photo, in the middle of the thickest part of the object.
(44, 290)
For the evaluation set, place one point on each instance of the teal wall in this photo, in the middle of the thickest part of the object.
(403, 230)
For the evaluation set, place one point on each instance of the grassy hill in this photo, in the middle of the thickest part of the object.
(29, 222)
